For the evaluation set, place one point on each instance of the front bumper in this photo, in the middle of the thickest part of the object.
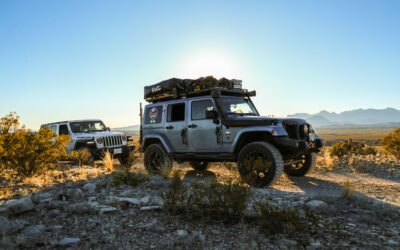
(299, 145)
(125, 150)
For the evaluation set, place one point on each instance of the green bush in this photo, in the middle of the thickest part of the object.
(212, 200)
(129, 178)
(28, 153)
(273, 219)
(391, 143)
(82, 157)
(349, 147)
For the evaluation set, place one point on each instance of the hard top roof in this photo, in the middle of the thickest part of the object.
(86, 120)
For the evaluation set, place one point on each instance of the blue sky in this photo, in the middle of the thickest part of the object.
(62, 60)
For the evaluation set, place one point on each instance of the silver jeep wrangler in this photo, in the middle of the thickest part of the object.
(94, 136)
(208, 120)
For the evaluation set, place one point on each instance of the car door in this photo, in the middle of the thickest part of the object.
(203, 134)
(175, 126)
(63, 130)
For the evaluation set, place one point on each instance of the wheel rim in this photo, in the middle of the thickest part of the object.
(155, 161)
(257, 168)
(300, 164)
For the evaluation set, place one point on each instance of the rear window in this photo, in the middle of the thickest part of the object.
(153, 114)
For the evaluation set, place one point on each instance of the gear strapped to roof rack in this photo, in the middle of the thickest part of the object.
(175, 88)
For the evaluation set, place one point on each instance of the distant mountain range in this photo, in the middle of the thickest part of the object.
(352, 117)
(128, 128)
(385, 118)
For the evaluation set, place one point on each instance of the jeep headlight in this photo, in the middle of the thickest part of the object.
(99, 140)
(123, 138)
(305, 127)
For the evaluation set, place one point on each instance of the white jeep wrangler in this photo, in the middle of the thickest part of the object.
(95, 136)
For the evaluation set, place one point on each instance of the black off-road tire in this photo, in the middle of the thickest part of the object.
(199, 165)
(123, 159)
(269, 154)
(156, 160)
(302, 168)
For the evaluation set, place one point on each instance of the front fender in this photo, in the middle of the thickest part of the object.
(161, 138)
(273, 130)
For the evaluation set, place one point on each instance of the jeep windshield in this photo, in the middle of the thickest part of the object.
(88, 127)
(237, 106)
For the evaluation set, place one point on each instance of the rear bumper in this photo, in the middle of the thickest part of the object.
(126, 149)
(299, 145)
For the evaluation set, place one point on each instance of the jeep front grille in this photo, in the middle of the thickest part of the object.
(112, 141)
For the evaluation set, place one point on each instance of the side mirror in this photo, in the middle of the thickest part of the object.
(211, 114)
(108, 128)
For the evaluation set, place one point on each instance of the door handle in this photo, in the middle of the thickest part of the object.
(192, 126)
(169, 127)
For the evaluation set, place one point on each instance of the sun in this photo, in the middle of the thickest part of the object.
(208, 62)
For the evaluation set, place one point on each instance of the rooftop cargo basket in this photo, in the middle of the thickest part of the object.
(175, 88)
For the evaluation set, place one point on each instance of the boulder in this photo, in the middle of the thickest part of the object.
(18, 206)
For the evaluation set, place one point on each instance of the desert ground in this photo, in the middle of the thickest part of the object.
(354, 202)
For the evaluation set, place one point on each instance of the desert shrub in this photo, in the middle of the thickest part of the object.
(206, 200)
(82, 157)
(349, 147)
(108, 161)
(129, 178)
(348, 190)
(28, 153)
(273, 219)
(391, 143)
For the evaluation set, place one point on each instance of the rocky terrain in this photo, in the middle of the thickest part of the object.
(82, 208)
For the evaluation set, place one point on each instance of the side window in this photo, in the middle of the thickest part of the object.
(53, 128)
(176, 112)
(153, 114)
(199, 109)
(63, 129)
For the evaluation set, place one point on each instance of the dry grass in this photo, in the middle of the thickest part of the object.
(22, 188)
(348, 190)
(108, 161)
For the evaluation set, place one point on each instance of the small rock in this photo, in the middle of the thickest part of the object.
(181, 233)
(106, 209)
(317, 205)
(314, 246)
(5, 225)
(54, 213)
(68, 241)
(82, 208)
(89, 187)
(145, 200)
(286, 243)
(75, 193)
(133, 201)
(34, 230)
(392, 242)
(68, 180)
(148, 208)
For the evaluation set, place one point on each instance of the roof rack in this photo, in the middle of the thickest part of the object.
(174, 88)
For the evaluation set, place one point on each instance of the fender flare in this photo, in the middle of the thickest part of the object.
(164, 141)
(279, 131)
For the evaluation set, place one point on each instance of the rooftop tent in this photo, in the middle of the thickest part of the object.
(175, 88)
